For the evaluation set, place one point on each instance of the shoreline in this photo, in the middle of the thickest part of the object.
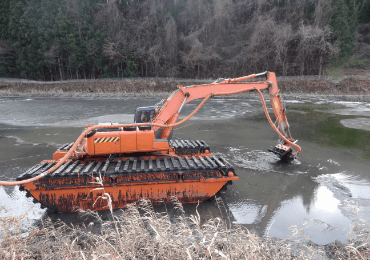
(304, 97)
(352, 89)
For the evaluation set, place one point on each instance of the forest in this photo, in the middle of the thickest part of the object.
(56, 40)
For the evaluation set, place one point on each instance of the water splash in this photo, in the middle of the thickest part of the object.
(18, 205)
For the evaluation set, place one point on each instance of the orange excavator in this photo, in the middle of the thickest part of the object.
(116, 164)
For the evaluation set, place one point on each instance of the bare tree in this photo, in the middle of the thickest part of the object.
(282, 38)
(171, 39)
(322, 9)
(220, 37)
(313, 47)
(109, 16)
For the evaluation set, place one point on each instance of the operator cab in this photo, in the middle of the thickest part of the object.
(144, 114)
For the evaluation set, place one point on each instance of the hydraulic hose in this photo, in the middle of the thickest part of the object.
(86, 132)
(92, 128)
(273, 125)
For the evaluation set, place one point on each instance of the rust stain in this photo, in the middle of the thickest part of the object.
(70, 195)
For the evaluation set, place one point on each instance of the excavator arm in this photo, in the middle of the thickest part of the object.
(170, 111)
(145, 140)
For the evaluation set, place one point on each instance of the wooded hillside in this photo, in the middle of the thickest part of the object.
(78, 39)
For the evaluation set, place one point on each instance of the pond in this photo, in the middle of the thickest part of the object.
(320, 192)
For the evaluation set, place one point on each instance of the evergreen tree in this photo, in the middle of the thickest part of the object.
(130, 70)
(351, 16)
(61, 39)
(26, 40)
(7, 56)
(93, 42)
(65, 36)
(364, 12)
(4, 19)
(81, 44)
(342, 22)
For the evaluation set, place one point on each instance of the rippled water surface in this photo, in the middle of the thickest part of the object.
(319, 192)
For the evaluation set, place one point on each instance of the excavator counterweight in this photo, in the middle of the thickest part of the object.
(122, 163)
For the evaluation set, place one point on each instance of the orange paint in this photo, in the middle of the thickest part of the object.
(102, 144)
(68, 195)
(135, 144)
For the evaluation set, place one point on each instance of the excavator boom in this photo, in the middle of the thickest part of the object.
(171, 108)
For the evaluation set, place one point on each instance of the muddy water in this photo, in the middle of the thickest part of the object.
(319, 192)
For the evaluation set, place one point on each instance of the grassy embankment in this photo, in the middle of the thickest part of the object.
(139, 232)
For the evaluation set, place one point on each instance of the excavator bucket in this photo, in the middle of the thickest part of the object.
(284, 152)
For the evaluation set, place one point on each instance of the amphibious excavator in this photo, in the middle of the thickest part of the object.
(112, 165)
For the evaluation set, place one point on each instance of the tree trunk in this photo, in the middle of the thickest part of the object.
(60, 70)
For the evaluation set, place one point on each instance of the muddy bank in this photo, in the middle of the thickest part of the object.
(346, 90)
(351, 89)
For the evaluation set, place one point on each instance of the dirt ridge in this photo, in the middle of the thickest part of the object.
(352, 89)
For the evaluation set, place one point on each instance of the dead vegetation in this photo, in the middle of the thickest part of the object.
(139, 232)
(222, 37)
(326, 87)
(162, 88)
(115, 89)
(156, 38)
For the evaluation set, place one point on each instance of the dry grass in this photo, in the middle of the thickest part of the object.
(92, 89)
(139, 232)
(326, 87)
(162, 88)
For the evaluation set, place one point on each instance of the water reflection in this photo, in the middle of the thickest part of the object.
(272, 195)
(325, 128)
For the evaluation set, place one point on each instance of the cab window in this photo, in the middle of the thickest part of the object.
(152, 114)
(144, 117)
